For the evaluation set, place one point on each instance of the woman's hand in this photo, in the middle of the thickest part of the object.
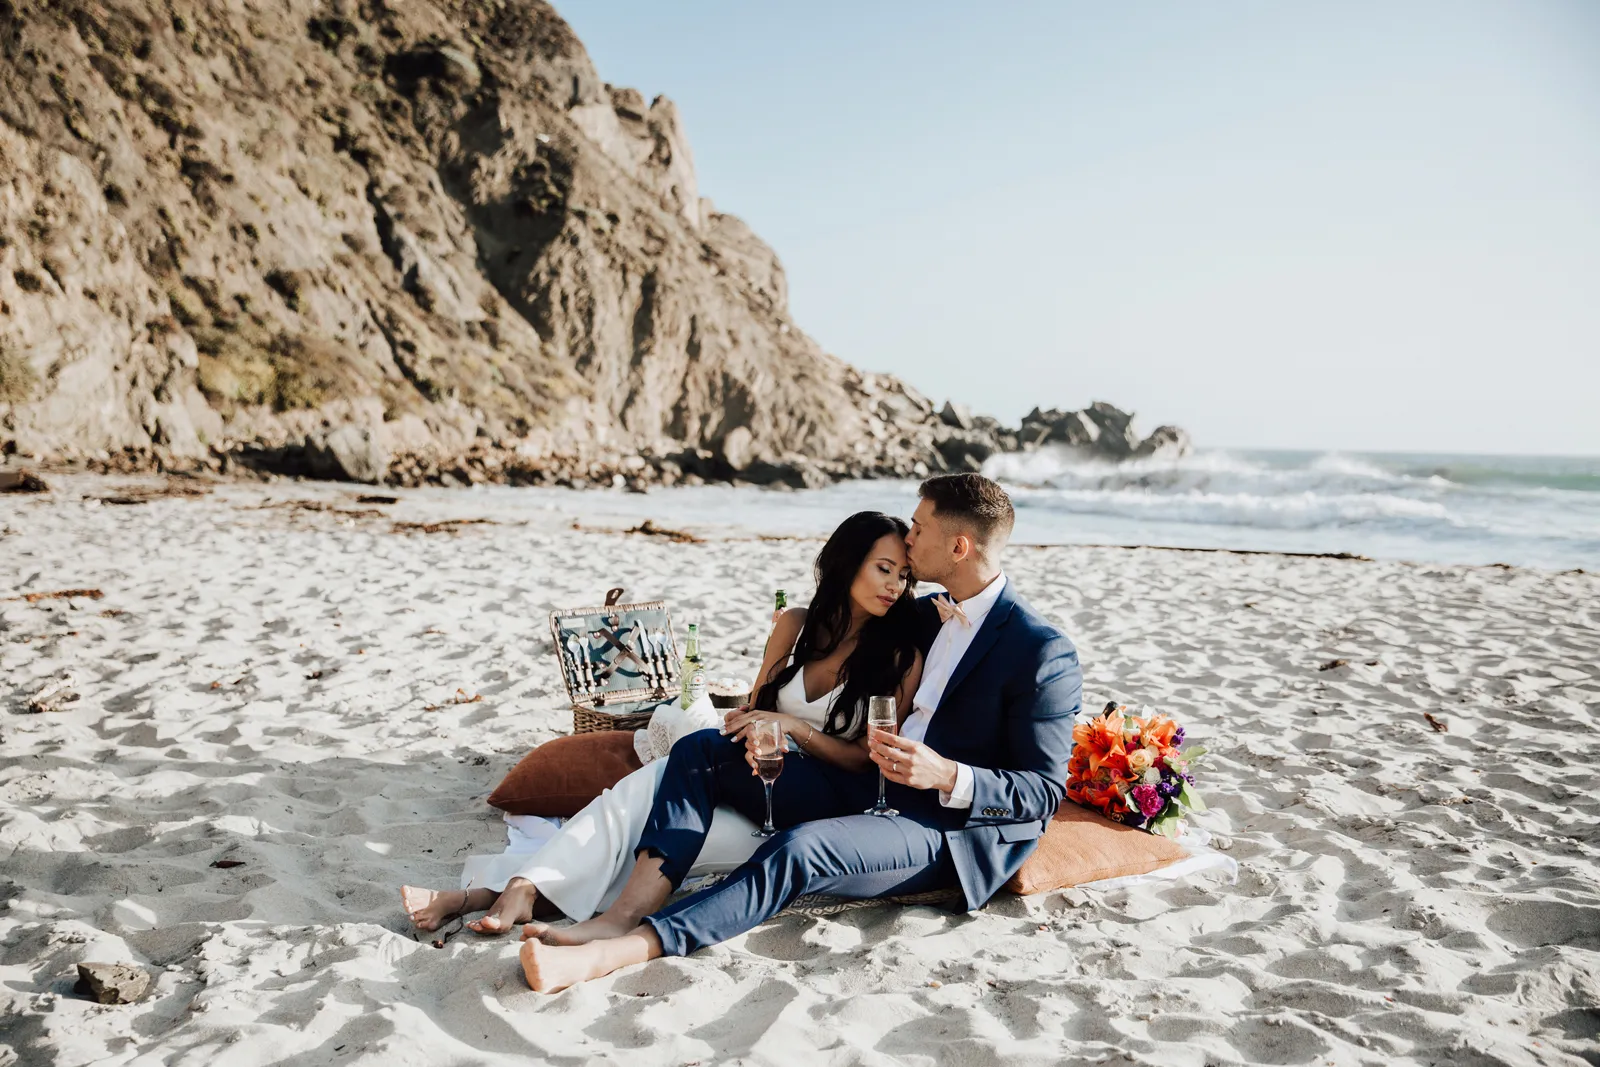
(910, 763)
(738, 722)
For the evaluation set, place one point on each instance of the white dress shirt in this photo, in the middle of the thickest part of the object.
(955, 637)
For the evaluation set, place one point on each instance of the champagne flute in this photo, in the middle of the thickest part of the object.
(881, 717)
(766, 741)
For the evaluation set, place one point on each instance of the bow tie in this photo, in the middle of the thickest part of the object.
(949, 609)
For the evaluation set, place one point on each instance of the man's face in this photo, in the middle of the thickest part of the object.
(927, 548)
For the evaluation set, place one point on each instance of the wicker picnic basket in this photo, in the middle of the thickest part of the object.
(618, 662)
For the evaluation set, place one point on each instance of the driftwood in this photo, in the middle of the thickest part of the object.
(22, 482)
(323, 506)
(145, 494)
(60, 594)
(459, 698)
(650, 529)
(444, 526)
(62, 690)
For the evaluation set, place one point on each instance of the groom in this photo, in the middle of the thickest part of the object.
(978, 769)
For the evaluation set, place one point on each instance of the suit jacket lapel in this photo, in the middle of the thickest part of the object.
(984, 640)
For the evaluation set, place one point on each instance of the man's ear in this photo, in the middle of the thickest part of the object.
(963, 547)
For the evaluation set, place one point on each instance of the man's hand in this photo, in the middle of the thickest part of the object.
(911, 763)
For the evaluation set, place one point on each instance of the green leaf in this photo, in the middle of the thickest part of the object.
(1191, 799)
(1165, 825)
(1193, 753)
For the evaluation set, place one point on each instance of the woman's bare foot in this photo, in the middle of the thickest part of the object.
(598, 928)
(430, 909)
(552, 968)
(514, 906)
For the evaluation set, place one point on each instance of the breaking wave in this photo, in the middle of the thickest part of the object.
(1542, 510)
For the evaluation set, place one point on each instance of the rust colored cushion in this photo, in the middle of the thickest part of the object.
(1080, 846)
(561, 776)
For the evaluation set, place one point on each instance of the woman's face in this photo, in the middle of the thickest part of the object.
(882, 577)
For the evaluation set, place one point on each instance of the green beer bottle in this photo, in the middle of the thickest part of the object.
(694, 669)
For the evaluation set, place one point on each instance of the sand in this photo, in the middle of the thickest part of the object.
(275, 685)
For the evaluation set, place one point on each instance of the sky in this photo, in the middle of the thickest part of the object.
(1350, 225)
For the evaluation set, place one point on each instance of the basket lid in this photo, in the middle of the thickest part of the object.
(617, 653)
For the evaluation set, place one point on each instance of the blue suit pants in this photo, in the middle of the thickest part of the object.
(825, 843)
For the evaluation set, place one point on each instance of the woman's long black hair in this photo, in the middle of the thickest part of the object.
(885, 649)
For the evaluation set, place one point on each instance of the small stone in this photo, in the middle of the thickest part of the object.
(112, 983)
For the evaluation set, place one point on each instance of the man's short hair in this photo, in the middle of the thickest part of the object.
(976, 502)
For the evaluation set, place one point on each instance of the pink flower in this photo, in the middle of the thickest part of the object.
(1150, 801)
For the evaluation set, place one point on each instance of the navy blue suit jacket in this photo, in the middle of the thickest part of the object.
(1007, 713)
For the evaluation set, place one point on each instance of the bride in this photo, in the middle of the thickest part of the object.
(857, 640)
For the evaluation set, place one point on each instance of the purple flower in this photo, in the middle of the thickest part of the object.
(1177, 738)
(1149, 800)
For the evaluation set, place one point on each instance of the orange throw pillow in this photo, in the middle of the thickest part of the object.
(560, 777)
(1080, 846)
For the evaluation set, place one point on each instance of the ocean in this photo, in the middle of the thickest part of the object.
(1534, 511)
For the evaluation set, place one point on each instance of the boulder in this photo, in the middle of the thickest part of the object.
(112, 983)
(356, 454)
(1116, 437)
(737, 448)
(1076, 429)
(1101, 430)
(956, 415)
(964, 450)
(1166, 442)
(793, 473)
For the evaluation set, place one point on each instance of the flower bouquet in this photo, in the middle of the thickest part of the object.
(1132, 770)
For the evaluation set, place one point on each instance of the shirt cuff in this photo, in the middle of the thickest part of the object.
(961, 795)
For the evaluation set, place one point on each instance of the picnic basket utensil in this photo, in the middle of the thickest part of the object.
(618, 662)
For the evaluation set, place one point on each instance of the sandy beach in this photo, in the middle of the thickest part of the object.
(271, 676)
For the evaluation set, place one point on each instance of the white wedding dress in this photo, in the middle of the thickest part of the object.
(583, 867)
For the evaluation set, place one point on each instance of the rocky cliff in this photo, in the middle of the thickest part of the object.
(414, 242)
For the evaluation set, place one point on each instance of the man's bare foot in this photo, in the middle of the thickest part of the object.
(430, 909)
(599, 928)
(552, 968)
(514, 906)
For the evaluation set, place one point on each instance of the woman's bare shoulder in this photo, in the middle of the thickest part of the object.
(786, 631)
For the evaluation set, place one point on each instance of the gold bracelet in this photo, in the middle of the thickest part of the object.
(811, 732)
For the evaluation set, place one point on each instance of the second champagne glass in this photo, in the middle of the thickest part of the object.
(767, 743)
(881, 717)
